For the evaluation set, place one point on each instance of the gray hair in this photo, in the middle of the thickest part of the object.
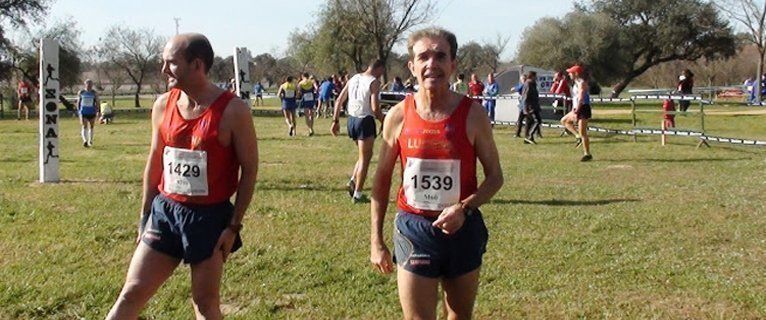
(433, 32)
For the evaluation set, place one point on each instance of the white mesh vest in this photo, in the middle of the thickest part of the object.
(359, 95)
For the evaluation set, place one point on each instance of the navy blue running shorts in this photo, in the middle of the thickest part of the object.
(188, 232)
(425, 250)
(311, 104)
(289, 104)
(361, 128)
(584, 112)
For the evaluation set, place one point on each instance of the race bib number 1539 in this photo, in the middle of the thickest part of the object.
(431, 184)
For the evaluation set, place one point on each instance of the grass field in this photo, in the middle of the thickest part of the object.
(643, 231)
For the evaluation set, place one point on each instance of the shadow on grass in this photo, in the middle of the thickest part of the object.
(98, 181)
(28, 160)
(285, 138)
(297, 187)
(16, 160)
(563, 203)
(610, 139)
(609, 120)
(678, 160)
(267, 113)
(132, 144)
(18, 131)
(740, 148)
(124, 122)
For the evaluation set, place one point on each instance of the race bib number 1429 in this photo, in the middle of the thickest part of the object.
(185, 171)
(431, 184)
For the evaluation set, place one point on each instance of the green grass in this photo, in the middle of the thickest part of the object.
(643, 231)
(720, 120)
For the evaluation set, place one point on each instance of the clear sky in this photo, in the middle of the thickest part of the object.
(264, 26)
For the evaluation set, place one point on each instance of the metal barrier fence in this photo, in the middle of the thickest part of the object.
(632, 132)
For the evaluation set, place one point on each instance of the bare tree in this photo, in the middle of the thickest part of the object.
(386, 21)
(16, 14)
(481, 59)
(750, 14)
(136, 52)
(115, 75)
(24, 54)
(492, 51)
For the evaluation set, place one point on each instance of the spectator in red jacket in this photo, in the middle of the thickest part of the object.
(475, 88)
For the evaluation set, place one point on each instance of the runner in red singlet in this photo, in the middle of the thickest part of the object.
(203, 150)
(24, 92)
(439, 235)
(475, 88)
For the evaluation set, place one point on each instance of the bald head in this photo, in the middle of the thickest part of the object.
(193, 46)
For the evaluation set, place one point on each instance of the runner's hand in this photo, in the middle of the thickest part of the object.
(334, 128)
(225, 242)
(451, 219)
(380, 257)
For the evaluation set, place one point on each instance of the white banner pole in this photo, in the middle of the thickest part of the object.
(49, 111)
(242, 72)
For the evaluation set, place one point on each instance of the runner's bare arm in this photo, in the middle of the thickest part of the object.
(375, 100)
(339, 102)
(77, 105)
(336, 111)
(583, 89)
(381, 188)
(153, 169)
(246, 148)
(480, 134)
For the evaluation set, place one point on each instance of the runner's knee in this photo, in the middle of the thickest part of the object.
(135, 292)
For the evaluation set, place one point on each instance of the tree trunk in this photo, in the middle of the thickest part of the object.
(138, 92)
(384, 57)
(620, 86)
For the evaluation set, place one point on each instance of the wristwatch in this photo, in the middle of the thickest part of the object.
(468, 210)
(236, 227)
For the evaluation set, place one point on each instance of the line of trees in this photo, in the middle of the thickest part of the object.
(620, 40)
(123, 55)
(751, 15)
